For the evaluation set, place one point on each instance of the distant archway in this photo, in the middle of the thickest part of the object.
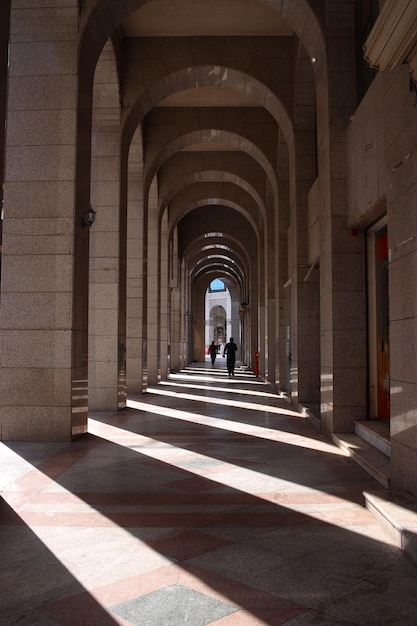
(218, 310)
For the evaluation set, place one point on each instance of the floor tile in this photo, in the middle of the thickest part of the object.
(172, 606)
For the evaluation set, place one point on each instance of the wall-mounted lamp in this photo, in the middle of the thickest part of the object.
(89, 218)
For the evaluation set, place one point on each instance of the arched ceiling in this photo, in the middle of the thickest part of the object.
(167, 18)
(212, 79)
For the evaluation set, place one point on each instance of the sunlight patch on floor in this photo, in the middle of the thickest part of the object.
(241, 392)
(225, 402)
(251, 430)
(163, 452)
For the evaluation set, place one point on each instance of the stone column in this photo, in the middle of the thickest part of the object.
(164, 296)
(261, 293)
(153, 294)
(106, 348)
(4, 56)
(39, 399)
(235, 330)
(134, 290)
(342, 258)
(270, 268)
(283, 273)
(175, 308)
(186, 348)
(175, 320)
(307, 285)
(254, 333)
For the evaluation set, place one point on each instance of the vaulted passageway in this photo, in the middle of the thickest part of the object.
(247, 141)
(179, 129)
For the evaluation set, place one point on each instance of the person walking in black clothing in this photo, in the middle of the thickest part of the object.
(230, 350)
(213, 352)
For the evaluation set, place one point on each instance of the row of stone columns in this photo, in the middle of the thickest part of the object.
(65, 287)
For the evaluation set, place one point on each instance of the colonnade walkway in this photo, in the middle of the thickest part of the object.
(208, 500)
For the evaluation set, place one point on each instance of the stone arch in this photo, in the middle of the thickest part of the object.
(217, 257)
(191, 76)
(196, 249)
(212, 135)
(217, 201)
(101, 19)
(218, 318)
(219, 262)
(209, 176)
(251, 234)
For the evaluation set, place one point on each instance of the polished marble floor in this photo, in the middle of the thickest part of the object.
(208, 500)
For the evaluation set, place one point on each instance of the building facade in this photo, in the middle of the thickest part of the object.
(270, 144)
